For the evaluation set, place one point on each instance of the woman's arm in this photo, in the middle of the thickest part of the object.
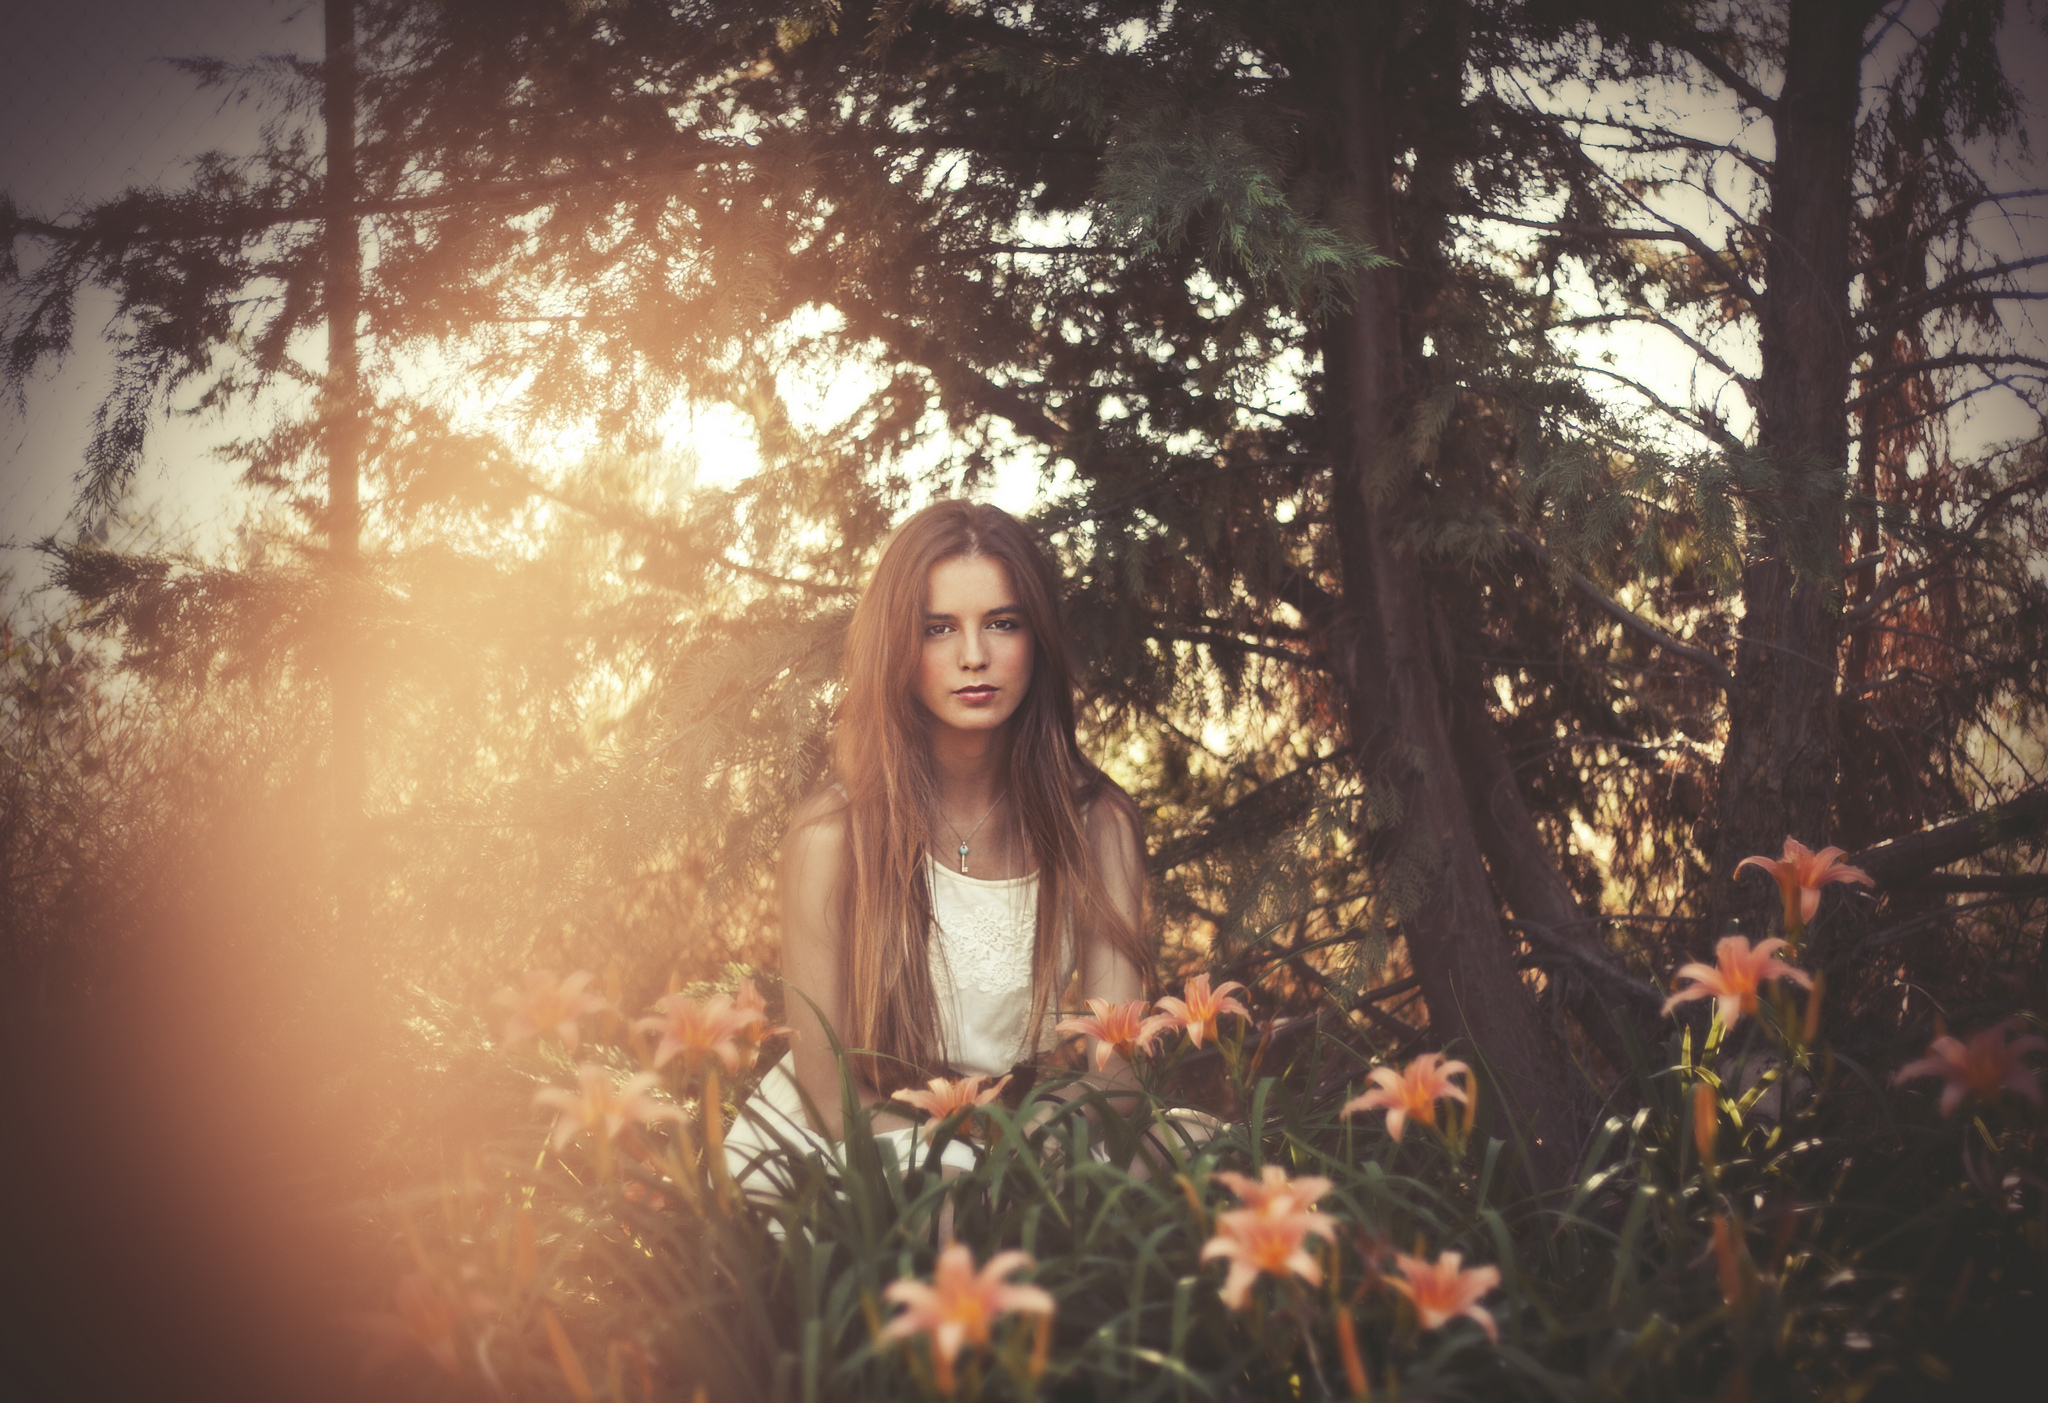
(814, 869)
(1106, 972)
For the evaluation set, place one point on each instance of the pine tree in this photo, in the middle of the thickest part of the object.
(1336, 491)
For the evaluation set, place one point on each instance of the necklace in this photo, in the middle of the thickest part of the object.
(970, 832)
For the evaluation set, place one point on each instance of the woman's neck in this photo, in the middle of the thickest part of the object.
(972, 766)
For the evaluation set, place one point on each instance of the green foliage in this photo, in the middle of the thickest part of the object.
(1834, 1235)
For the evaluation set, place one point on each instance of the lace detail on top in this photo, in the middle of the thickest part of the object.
(981, 941)
(988, 949)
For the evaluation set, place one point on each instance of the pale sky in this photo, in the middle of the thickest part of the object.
(88, 108)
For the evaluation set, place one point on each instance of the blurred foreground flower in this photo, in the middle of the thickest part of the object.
(748, 1003)
(1981, 1068)
(548, 1005)
(1269, 1235)
(424, 1319)
(1730, 1253)
(604, 1105)
(1201, 1007)
(1801, 873)
(1273, 1193)
(944, 1098)
(697, 1032)
(961, 1304)
(1413, 1091)
(1445, 1289)
(1734, 980)
(1120, 1028)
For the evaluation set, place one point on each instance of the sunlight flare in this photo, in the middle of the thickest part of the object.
(550, 1007)
(604, 1105)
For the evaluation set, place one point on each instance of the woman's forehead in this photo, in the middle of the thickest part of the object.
(968, 584)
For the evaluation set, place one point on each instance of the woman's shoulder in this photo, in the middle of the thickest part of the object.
(817, 827)
(1109, 815)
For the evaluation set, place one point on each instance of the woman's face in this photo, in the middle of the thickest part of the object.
(975, 666)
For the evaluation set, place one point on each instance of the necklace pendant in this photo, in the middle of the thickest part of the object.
(963, 858)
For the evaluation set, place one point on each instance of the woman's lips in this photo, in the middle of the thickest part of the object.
(973, 695)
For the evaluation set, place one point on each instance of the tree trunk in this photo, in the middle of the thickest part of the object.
(343, 433)
(1390, 653)
(1585, 977)
(1778, 769)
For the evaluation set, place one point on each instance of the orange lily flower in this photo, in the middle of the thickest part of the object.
(1201, 1007)
(548, 1005)
(1120, 1028)
(700, 1031)
(1739, 972)
(947, 1097)
(604, 1105)
(1444, 1289)
(747, 1000)
(1413, 1091)
(1981, 1068)
(1273, 1194)
(961, 1304)
(1801, 873)
(1262, 1243)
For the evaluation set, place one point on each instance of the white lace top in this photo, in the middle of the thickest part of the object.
(982, 933)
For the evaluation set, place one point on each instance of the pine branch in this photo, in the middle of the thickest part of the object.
(1626, 616)
(1981, 360)
(2014, 884)
(1271, 807)
(1920, 238)
(1696, 44)
(1866, 609)
(1705, 428)
(1946, 292)
(1644, 316)
(1620, 233)
(1230, 642)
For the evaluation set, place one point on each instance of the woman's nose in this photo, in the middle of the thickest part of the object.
(973, 655)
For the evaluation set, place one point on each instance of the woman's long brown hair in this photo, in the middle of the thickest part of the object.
(883, 757)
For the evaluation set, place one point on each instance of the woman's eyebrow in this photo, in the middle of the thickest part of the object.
(933, 616)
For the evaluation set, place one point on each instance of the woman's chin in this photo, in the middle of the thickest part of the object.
(978, 720)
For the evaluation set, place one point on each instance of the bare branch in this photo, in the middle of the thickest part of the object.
(1949, 289)
(1696, 44)
(1692, 242)
(1626, 616)
(1901, 860)
(1941, 221)
(1231, 642)
(1698, 424)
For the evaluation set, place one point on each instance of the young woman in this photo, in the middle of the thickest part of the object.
(967, 864)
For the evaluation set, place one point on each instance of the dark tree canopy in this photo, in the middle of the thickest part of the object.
(1421, 654)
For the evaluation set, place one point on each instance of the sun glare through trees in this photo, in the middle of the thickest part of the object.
(1550, 502)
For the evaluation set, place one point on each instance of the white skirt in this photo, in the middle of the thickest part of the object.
(761, 1167)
